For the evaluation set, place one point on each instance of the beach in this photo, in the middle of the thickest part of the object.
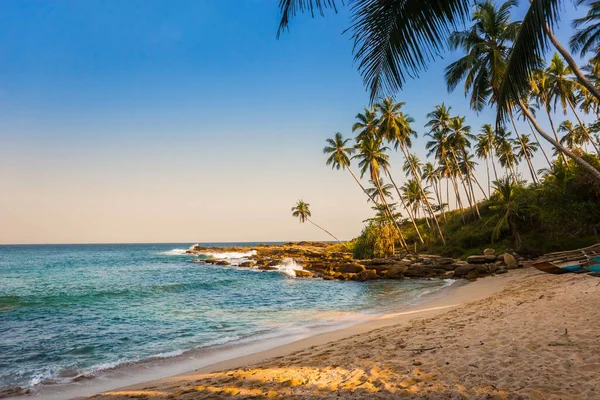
(519, 335)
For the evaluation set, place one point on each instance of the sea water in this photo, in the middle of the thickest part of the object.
(75, 312)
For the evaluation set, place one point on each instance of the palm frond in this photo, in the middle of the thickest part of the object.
(289, 9)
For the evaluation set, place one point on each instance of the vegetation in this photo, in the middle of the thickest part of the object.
(557, 208)
(302, 211)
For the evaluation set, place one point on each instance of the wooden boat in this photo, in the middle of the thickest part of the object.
(575, 261)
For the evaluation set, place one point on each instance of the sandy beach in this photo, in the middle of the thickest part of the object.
(525, 334)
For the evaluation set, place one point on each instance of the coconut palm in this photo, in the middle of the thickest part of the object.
(395, 128)
(396, 39)
(486, 45)
(525, 148)
(575, 136)
(339, 156)
(458, 141)
(587, 36)
(372, 159)
(431, 176)
(467, 166)
(505, 154)
(484, 148)
(521, 115)
(412, 163)
(302, 211)
(366, 125)
(504, 202)
(386, 188)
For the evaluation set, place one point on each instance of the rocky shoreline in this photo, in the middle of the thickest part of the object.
(318, 261)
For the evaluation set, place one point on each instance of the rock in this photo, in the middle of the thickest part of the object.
(483, 269)
(353, 268)
(396, 272)
(416, 271)
(344, 276)
(489, 252)
(247, 264)
(378, 261)
(477, 259)
(222, 262)
(501, 270)
(449, 275)
(472, 275)
(445, 261)
(510, 261)
(463, 270)
(367, 275)
(303, 274)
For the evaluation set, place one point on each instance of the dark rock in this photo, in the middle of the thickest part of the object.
(510, 261)
(501, 270)
(478, 259)
(353, 268)
(222, 262)
(367, 275)
(247, 264)
(303, 274)
(267, 268)
(416, 271)
(445, 261)
(489, 252)
(396, 272)
(472, 275)
(463, 270)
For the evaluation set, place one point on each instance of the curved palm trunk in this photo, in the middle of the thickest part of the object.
(539, 144)
(581, 162)
(418, 179)
(436, 189)
(410, 216)
(362, 187)
(458, 200)
(479, 186)
(324, 230)
(494, 166)
(470, 184)
(574, 67)
(391, 215)
(461, 176)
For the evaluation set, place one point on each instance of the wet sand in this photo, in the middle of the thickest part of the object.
(524, 334)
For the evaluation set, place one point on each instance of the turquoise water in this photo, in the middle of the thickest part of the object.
(72, 311)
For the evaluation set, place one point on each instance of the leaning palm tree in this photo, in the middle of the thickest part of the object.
(386, 188)
(587, 36)
(525, 148)
(505, 154)
(504, 202)
(339, 157)
(302, 211)
(395, 128)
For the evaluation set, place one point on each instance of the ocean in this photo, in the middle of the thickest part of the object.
(71, 314)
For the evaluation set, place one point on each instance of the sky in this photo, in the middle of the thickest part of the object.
(159, 121)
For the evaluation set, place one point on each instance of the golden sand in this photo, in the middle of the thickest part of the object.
(536, 337)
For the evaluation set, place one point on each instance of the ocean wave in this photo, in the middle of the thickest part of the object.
(288, 267)
(228, 255)
(175, 252)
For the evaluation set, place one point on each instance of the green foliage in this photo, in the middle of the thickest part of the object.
(375, 240)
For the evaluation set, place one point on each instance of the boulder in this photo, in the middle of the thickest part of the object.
(396, 272)
(367, 275)
(449, 275)
(472, 275)
(378, 261)
(510, 261)
(303, 274)
(417, 271)
(247, 264)
(445, 261)
(477, 259)
(353, 268)
(267, 268)
(222, 262)
(489, 252)
(463, 270)
(501, 270)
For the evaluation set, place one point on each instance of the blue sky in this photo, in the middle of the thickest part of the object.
(133, 121)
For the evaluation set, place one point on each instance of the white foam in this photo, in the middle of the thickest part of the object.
(174, 252)
(228, 255)
(287, 267)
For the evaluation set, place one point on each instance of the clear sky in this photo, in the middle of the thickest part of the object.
(186, 121)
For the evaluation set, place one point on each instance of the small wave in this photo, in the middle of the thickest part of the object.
(287, 267)
(228, 255)
(175, 252)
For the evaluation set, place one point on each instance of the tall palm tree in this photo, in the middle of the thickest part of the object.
(467, 166)
(587, 36)
(484, 148)
(412, 163)
(521, 115)
(504, 201)
(339, 156)
(458, 141)
(562, 87)
(431, 175)
(366, 125)
(395, 128)
(505, 154)
(575, 136)
(386, 188)
(302, 211)
(525, 148)
(373, 159)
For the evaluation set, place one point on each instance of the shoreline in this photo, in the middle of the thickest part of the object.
(158, 368)
(441, 301)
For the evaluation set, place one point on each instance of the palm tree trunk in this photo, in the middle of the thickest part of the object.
(512, 171)
(581, 162)
(479, 185)
(581, 124)
(391, 215)
(470, 185)
(554, 131)
(362, 187)
(574, 67)
(487, 167)
(458, 200)
(530, 165)
(418, 179)
(494, 166)
(539, 144)
(461, 176)
(410, 216)
(324, 230)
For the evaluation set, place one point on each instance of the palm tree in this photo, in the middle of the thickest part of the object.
(373, 159)
(487, 45)
(562, 87)
(396, 39)
(458, 141)
(521, 115)
(386, 188)
(395, 128)
(587, 38)
(366, 125)
(505, 154)
(484, 148)
(575, 135)
(339, 156)
(412, 163)
(467, 166)
(302, 211)
(431, 175)
(525, 148)
(504, 201)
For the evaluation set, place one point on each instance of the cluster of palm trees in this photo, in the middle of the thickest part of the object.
(503, 62)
